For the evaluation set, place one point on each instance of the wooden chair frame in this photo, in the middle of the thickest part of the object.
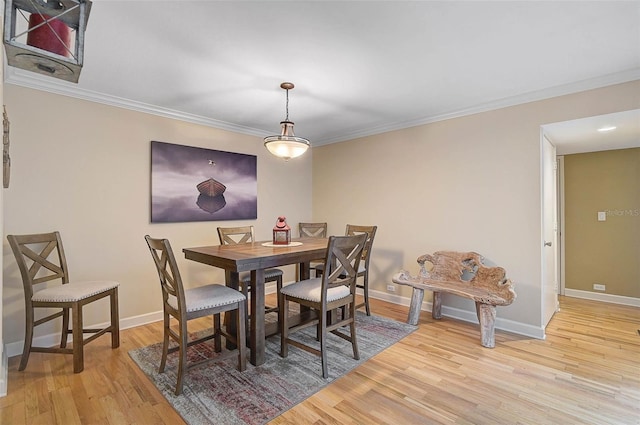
(246, 234)
(311, 230)
(175, 306)
(235, 235)
(370, 231)
(41, 259)
(344, 253)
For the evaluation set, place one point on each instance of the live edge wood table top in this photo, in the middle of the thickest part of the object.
(255, 258)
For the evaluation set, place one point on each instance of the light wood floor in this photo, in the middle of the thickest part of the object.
(587, 371)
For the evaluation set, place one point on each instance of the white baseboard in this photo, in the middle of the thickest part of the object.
(51, 340)
(598, 296)
(15, 348)
(465, 315)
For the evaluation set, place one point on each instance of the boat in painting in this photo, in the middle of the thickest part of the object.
(211, 204)
(211, 187)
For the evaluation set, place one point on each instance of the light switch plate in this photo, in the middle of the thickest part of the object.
(602, 216)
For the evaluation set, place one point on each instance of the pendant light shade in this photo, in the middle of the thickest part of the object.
(286, 145)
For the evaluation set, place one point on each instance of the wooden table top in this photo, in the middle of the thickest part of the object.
(253, 256)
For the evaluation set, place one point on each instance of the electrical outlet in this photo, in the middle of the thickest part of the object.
(391, 288)
(599, 287)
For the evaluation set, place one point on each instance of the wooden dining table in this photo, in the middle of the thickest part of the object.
(255, 257)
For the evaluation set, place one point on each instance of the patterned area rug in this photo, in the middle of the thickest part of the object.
(217, 393)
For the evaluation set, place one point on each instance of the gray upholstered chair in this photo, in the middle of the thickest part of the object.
(363, 271)
(184, 305)
(336, 289)
(41, 259)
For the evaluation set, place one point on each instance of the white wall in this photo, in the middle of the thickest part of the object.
(465, 184)
(84, 169)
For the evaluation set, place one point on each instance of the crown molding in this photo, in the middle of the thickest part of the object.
(584, 85)
(33, 80)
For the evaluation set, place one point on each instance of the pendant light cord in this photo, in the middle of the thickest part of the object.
(287, 107)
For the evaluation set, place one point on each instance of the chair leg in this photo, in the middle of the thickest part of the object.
(352, 328)
(217, 340)
(65, 328)
(323, 343)
(366, 292)
(241, 337)
(280, 302)
(165, 343)
(182, 355)
(28, 339)
(78, 343)
(115, 319)
(278, 289)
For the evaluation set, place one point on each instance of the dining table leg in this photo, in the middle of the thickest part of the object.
(232, 280)
(257, 323)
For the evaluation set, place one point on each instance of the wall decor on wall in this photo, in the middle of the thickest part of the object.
(197, 184)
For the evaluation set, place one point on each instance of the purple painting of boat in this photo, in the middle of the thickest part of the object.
(198, 184)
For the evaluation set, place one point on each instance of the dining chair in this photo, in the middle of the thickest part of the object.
(184, 305)
(245, 234)
(312, 230)
(336, 289)
(41, 259)
(363, 270)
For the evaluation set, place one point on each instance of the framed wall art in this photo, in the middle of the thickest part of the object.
(197, 184)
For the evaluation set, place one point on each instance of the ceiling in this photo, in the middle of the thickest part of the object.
(359, 67)
(578, 136)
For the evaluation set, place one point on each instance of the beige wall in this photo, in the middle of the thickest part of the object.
(470, 183)
(84, 169)
(604, 252)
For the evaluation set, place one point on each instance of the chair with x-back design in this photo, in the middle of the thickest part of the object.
(183, 305)
(41, 259)
(313, 230)
(363, 270)
(335, 289)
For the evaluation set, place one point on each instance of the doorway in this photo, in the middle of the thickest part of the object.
(549, 242)
(583, 135)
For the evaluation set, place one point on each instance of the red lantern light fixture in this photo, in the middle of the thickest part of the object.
(42, 39)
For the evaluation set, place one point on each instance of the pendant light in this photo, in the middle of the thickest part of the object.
(286, 145)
